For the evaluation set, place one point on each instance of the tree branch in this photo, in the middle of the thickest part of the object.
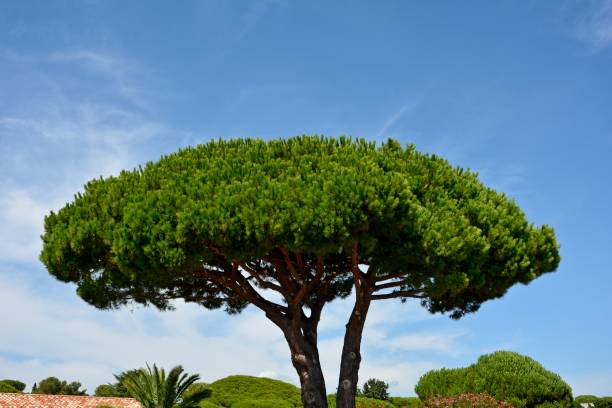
(400, 294)
(262, 283)
(232, 283)
(390, 276)
(287, 284)
(361, 284)
(294, 274)
(389, 285)
(305, 289)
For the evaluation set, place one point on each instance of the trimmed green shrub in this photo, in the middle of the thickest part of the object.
(586, 399)
(244, 389)
(15, 384)
(8, 388)
(603, 402)
(507, 376)
(198, 388)
(365, 402)
(263, 403)
(362, 402)
(406, 402)
(597, 402)
(209, 404)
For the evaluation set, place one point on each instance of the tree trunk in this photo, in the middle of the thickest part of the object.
(351, 355)
(305, 358)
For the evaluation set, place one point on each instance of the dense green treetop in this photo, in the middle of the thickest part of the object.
(163, 231)
(375, 388)
(20, 386)
(505, 375)
(8, 388)
(54, 386)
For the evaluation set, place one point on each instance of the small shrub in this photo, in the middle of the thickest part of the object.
(362, 402)
(365, 402)
(504, 375)
(595, 402)
(209, 404)
(375, 388)
(481, 400)
(243, 389)
(200, 388)
(8, 388)
(586, 399)
(15, 384)
(603, 402)
(262, 403)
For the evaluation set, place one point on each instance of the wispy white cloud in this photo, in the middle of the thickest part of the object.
(124, 77)
(84, 344)
(393, 119)
(127, 75)
(51, 144)
(21, 217)
(441, 341)
(594, 25)
(81, 343)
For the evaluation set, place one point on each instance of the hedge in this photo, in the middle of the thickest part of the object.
(506, 376)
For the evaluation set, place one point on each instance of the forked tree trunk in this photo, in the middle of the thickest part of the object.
(305, 358)
(351, 355)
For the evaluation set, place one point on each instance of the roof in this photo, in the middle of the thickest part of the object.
(63, 401)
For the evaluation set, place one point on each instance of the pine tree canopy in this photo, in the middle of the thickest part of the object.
(210, 224)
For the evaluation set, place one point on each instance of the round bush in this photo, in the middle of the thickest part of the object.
(15, 384)
(504, 375)
(243, 389)
(263, 403)
(8, 388)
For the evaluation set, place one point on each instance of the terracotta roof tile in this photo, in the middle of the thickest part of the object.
(62, 401)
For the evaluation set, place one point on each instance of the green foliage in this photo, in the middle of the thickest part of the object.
(140, 235)
(105, 390)
(113, 390)
(8, 388)
(153, 389)
(507, 376)
(262, 403)
(375, 388)
(197, 388)
(596, 402)
(586, 399)
(18, 385)
(603, 402)
(207, 403)
(244, 390)
(406, 402)
(362, 402)
(53, 386)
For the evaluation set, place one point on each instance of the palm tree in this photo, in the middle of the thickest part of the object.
(153, 389)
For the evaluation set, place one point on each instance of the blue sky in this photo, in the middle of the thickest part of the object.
(520, 92)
